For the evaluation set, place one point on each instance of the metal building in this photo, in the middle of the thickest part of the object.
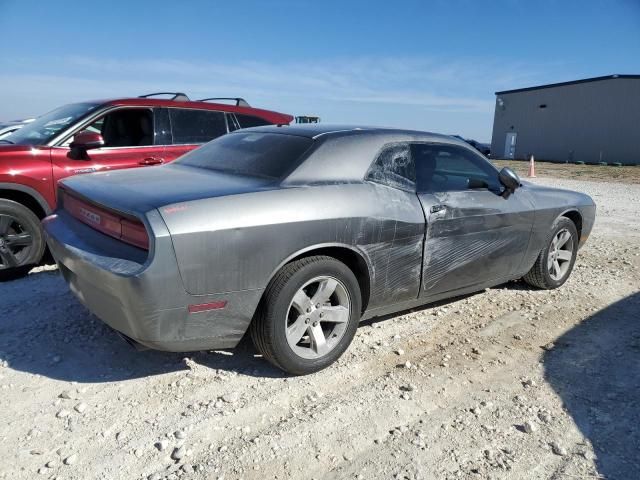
(592, 120)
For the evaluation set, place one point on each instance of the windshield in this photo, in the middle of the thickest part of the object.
(270, 155)
(49, 125)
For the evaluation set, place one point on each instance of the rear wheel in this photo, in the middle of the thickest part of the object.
(308, 316)
(21, 239)
(555, 262)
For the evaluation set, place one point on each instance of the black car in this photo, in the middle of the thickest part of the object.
(483, 148)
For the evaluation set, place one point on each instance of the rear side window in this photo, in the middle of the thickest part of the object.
(196, 126)
(250, 153)
(247, 121)
(394, 167)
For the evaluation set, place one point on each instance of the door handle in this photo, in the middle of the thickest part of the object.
(438, 208)
(151, 161)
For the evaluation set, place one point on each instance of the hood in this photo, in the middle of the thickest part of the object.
(140, 190)
(544, 196)
(537, 187)
(7, 148)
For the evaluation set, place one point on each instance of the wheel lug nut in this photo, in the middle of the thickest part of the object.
(321, 315)
(315, 324)
(306, 320)
(308, 310)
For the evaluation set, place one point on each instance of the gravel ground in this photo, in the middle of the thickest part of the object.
(509, 383)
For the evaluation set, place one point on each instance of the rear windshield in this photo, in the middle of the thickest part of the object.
(270, 155)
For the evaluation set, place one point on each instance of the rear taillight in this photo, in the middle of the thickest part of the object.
(133, 232)
(108, 222)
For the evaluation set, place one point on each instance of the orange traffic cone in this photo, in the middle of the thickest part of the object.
(532, 167)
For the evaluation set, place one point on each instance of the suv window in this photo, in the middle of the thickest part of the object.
(247, 121)
(129, 127)
(442, 168)
(270, 155)
(232, 123)
(394, 167)
(196, 126)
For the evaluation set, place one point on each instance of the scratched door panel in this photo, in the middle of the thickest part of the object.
(473, 237)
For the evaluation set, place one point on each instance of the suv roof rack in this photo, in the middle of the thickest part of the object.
(240, 102)
(177, 96)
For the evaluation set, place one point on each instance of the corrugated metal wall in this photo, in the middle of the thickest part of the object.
(584, 121)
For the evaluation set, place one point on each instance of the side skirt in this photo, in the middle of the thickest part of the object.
(421, 302)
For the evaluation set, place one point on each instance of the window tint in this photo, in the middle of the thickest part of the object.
(162, 126)
(442, 168)
(246, 153)
(247, 121)
(394, 167)
(196, 126)
(128, 127)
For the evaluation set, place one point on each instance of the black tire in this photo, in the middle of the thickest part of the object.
(268, 329)
(22, 242)
(539, 275)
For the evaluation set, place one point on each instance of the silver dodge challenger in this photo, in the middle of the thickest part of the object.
(297, 233)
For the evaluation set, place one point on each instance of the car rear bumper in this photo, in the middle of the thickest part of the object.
(141, 294)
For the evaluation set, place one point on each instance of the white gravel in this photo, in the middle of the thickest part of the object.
(511, 383)
(618, 204)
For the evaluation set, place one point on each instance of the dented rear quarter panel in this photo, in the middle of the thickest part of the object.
(239, 242)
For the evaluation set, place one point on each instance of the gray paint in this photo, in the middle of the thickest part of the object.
(223, 237)
(478, 237)
(581, 120)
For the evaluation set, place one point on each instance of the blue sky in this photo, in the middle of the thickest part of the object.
(431, 65)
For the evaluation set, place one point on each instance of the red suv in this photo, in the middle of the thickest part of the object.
(98, 136)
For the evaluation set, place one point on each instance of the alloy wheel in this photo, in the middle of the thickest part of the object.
(317, 317)
(560, 255)
(15, 242)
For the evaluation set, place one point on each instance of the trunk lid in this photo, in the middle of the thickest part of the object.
(135, 192)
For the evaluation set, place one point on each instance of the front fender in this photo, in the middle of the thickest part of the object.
(29, 191)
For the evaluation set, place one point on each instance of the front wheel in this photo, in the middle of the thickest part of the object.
(555, 262)
(21, 239)
(308, 316)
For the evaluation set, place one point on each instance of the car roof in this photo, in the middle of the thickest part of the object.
(344, 153)
(270, 115)
(318, 130)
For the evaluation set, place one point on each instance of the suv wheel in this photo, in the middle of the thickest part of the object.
(309, 315)
(21, 239)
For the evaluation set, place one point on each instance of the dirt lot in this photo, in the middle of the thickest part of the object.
(510, 383)
(609, 173)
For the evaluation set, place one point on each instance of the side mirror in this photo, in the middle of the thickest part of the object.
(87, 140)
(509, 179)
